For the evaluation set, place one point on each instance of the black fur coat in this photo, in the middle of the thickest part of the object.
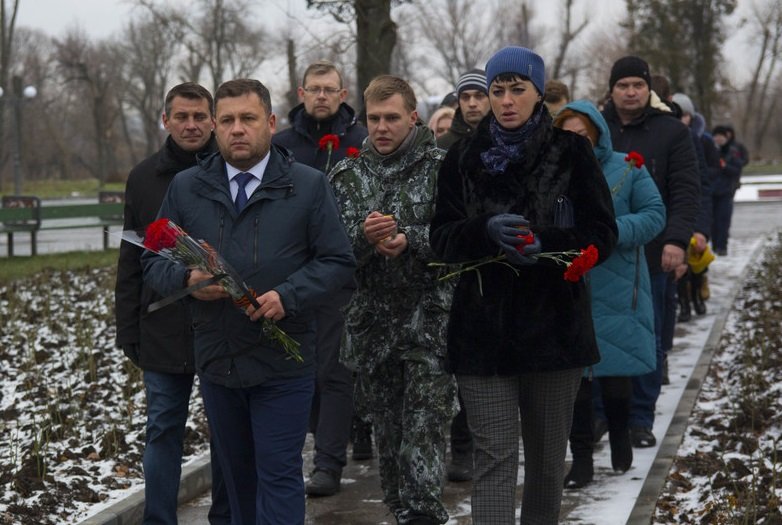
(502, 323)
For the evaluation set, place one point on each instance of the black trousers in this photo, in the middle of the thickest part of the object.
(332, 405)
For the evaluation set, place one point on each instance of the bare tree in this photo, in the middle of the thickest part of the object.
(7, 25)
(92, 69)
(458, 32)
(376, 33)
(216, 37)
(148, 53)
(761, 103)
(566, 37)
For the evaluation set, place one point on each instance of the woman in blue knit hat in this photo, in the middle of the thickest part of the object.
(519, 334)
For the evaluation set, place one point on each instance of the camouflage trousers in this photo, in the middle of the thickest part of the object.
(412, 403)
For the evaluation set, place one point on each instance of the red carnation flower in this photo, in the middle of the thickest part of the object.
(581, 264)
(329, 142)
(635, 159)
(528, 239)
(161, 234)
(352, 152)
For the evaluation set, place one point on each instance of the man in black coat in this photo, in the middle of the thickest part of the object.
(161, 342)
(667, 149)
(473, 106)
(323, 112)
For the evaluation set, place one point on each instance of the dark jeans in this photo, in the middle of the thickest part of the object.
(722, 213)
(168, 398)
(646, 388)
(259, 435)
(332, 406)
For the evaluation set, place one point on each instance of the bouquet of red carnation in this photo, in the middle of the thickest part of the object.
(328, 142)
(164, 237)
(576, 262)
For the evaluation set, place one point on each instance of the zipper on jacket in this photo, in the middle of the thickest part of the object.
(256, 234)
(220, 230)
(637, 276)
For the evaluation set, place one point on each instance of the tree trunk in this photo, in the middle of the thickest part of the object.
(375, 41)
(292, 96)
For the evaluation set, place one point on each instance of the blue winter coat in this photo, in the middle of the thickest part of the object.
(621, 291)
(288, 238)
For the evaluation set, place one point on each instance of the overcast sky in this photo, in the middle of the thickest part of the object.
(102, 18)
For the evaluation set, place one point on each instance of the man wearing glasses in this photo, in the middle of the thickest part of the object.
(323, 111)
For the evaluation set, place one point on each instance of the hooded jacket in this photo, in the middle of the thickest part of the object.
(621, 289)
(305, 132)
(506, 322)
(667, 149)
(288, 238)
(161, 341)
(459, 129)
(399, 307)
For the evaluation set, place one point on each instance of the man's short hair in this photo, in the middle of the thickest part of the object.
(556, 91)
(320, 67)
(189, 90)
(245, 86)
(386, 86)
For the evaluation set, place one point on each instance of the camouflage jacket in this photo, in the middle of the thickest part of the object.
(399, 307)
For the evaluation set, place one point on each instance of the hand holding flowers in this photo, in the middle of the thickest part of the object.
(166, 238)
(576, 262)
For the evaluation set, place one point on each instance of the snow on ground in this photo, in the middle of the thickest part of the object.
(68, 399)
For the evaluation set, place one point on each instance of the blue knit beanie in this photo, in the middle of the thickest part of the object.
(519, 60)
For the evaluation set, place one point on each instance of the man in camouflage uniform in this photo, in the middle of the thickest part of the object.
(396, 320)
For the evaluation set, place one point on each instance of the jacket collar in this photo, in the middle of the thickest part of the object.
(301, 121)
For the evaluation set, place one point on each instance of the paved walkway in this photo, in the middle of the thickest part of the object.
(610, 499)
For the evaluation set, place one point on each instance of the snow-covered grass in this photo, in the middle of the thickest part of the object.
(72, 407)
(729, 466)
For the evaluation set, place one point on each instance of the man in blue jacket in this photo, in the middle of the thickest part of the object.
(323, 111)
(276, 222)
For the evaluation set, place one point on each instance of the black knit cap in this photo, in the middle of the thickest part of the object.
(629, 66)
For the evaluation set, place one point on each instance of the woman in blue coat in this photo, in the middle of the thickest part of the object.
(621, 296)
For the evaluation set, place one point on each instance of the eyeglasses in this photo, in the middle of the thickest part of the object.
(327, 90)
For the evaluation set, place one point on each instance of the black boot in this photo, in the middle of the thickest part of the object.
(696, 283)
(582, 471)
(581, 438)
(618, 415)
(683, 293)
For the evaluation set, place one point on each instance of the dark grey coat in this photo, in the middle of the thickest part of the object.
(288, 238)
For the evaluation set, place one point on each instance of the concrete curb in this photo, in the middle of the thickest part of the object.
(645, 504)
(196, 480)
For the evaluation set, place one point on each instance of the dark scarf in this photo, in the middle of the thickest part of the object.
(509, 145)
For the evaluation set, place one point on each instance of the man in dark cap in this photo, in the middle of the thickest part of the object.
(473, 106)
(665, 144)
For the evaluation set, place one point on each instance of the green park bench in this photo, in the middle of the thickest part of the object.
(22, 213)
